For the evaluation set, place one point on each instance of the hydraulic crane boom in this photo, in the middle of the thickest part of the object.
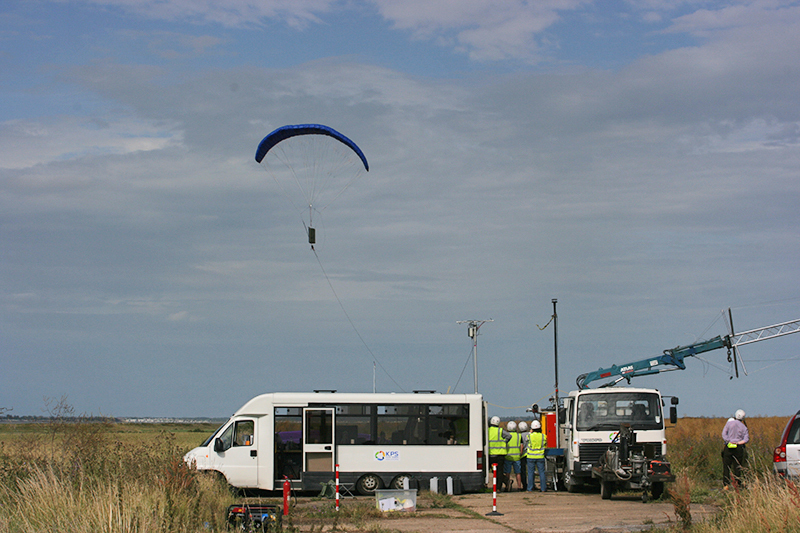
(673, 359)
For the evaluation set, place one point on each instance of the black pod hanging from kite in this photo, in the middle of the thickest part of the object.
(312, 235)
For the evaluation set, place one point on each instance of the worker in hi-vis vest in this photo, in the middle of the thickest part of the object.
(537, 443)
(523, 435)
(513, 465)
(498, 445)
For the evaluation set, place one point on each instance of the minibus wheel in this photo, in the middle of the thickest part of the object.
(397, 482)
(368, 484)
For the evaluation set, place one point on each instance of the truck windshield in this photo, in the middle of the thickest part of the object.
(606, 411)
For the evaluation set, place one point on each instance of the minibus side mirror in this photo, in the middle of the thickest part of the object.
(562, 415)
(219, 446)
(673, 415)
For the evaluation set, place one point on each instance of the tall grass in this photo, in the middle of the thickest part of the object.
(80, 480)
(87, 477)
(763, 504)
(768, 505)
(695, 447)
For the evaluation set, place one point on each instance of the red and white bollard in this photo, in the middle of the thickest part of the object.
(337, 487)
(494, 492)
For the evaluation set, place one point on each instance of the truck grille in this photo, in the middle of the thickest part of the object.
(591, 452)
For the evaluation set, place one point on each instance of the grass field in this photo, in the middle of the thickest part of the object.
(113, 477)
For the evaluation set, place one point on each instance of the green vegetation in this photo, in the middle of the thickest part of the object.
(763, 504)
(76, 476)
(79, 475)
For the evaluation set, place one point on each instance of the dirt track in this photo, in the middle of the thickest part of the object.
(552, 512)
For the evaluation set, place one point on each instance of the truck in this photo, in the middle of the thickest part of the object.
(615, 436)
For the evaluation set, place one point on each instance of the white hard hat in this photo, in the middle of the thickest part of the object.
(536, 425)
(511, 426)
(739, 415)
(523, 426)
(495, 420)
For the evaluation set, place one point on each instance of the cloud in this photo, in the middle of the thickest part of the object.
(484, 29)
(174, 45)
(229, 13)
(147, 237)
(750, 14)
(25, 143)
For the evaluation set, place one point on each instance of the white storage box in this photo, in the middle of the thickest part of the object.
(396, 500)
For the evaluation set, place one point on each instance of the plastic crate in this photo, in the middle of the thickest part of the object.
(387, 500)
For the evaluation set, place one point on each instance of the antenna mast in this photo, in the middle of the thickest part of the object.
(472, 331)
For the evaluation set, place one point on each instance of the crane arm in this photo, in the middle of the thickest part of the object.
(673, 359)
(762, 334)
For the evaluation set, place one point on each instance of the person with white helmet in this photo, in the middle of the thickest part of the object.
(537, 442)
(513, 457)
(498, 445)
(523, 460)
(735, 435)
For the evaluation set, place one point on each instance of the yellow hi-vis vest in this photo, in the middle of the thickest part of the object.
(497, 444)
(537, 442)
(513, 447)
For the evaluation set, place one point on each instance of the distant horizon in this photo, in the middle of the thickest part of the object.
(191, 420)
(9, 417)
(127, 419)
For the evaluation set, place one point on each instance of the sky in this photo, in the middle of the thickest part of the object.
(637, 161)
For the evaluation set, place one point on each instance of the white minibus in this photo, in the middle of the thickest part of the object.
(377, 440)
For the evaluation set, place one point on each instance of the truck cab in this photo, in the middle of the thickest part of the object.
(593, 421)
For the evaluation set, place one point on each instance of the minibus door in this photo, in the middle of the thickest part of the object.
(235, 453)
(318, 439)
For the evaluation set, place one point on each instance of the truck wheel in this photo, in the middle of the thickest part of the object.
(368, 484)
(657, 489)
(569, 483)
(606, 488)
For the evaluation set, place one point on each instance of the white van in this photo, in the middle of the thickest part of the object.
(376, 439)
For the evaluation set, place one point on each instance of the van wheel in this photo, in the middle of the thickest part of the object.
(397, 482)
(368, 484)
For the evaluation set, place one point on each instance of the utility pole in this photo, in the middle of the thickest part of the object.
(472, 331)
(555, 353)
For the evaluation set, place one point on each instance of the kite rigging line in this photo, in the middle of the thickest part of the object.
(313, 165)
(352, 324)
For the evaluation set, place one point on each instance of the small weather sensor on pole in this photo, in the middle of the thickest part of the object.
(472, 331)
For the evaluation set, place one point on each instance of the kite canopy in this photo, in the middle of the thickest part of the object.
(313, 165)
(286, 132)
